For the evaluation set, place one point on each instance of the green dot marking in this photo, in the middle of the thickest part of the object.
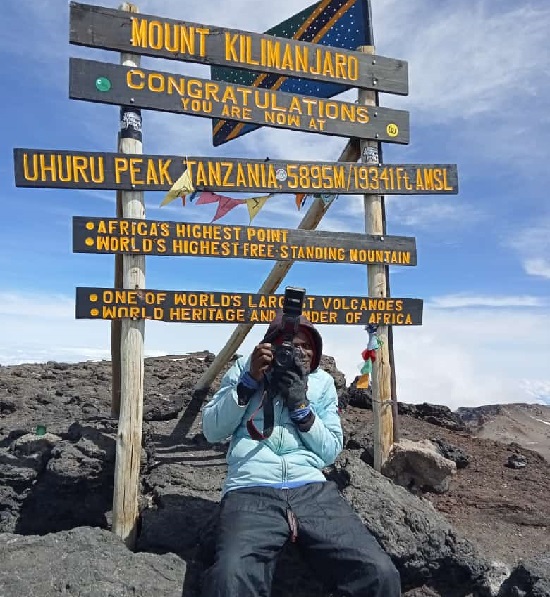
(103, 84)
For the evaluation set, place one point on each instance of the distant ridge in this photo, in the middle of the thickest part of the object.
(525, 424)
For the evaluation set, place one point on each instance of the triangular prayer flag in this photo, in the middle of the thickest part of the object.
(183, 186)
(208, 197)
(367, 367)
(225, 205)
(363, 382)
(300, 200)
(255, 204)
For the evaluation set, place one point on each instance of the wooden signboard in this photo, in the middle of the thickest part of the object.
(115, 171)
(99, 27)
(111, 235)
(169, 92)
(230, 307)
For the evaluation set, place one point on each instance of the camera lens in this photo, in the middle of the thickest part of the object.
(284, 356)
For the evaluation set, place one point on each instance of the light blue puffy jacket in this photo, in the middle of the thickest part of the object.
(288, 455)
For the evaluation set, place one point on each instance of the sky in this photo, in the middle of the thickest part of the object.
(479, 82)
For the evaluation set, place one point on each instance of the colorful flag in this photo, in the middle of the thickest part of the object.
(363, 381)
(336, 23)
(300, 200)
(182, 187)
(208, 197)
(255, 204)
(225, 205)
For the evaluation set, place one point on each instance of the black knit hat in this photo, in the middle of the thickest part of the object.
(275, 330)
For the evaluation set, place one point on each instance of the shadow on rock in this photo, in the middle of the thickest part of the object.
(183, 525)
(529, 579)
(75, 487)
(187, 526)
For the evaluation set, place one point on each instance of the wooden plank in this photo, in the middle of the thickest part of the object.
(198, 306)
(190, 239)
(101, 82)
(44, 168)
(150, 35)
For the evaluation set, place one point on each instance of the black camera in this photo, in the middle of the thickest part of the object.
(283, 357)
(284, 353)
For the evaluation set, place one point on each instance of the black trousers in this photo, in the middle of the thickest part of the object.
(253, 527)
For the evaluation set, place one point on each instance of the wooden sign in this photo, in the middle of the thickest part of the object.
(99, 27)
(115, 171)
(148, 237)
(170, 92)
(230, 307)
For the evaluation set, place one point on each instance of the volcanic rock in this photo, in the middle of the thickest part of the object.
(529, 579)
(436, 414)
(419, 466)
(516, 461)
(357, 397)
(452, 452)
(422, 544)
(66, 482)
(84, 562)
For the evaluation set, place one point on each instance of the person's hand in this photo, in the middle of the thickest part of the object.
(292, 386)
(260, 361)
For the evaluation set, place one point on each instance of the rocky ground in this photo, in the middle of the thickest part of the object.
(56, 493)
(525, 424)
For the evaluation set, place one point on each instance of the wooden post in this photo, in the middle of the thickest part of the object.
(309, 222)
(128, 445)
(377, 284)
(129, 141)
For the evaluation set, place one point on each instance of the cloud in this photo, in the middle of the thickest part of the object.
(459, 357)
(47, 17)
(466, 59)
(16, 304)
(538, 389)
(39, 327)
(468, 357)
(426, 212)
(532, 244)
(453, 301)
(476, 72)
(537, 267)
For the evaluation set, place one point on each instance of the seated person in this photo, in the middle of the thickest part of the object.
(275, 490)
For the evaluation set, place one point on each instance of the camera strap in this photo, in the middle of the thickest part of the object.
(269, 418)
